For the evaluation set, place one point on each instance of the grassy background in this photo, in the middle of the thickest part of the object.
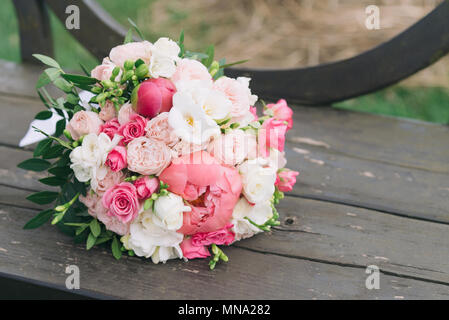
(419, 102)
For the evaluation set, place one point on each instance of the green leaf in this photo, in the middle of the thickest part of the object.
(47, 60)
(86, 72)
(42, 147)
(136, 28)
(115, 247)
(63, 84)
(102, 240)
(41, 218)
(210, 51)
(222, 66)
(81, 229)
(43, 80)
(45, 102)
(91, 239)
(60, 126)
(52, 73)
(54, 152)
(43, 197)
(95, 227)
(77, 79)
(195, 55)
(34, 164)
(60, 171)
(44, 115)
(53, 181)
(129, 36)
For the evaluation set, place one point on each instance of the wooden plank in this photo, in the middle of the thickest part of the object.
(346, 235)
(248, 275)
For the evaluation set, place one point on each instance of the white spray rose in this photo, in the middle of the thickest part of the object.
(168, 211)
(258, 179)
(258, 213)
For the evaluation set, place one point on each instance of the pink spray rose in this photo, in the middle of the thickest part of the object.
(107, 111)
(281, 111)
(153, 96)
(96, 209)
(84, 122)
(188, 70)
(211, 189)
(253, 110)
(110, 128)
(159, 129)
(234, 147)
(148, 156)
(125, 113)
(116, 159)
(146, 186)
(285, 180)
(238, 92)
(133, 129)
(121, 202)
(190, 251)
(104, 70)
(219, 237)
(131, 51)
(272, 135)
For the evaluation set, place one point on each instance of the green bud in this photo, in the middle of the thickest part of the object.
(58, 217)
(107, 84)
(224, 257)
(134, 78)
(60, 208)
(67, 134)
(115, 72)
(214, 67)
(75, 144)
(142, 71)
(128, 75)
(215, 249)
(101, 97)
(234, 125)
(128, 65)
(96, 89)
(118, 92)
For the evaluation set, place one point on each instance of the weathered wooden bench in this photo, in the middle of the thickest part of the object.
(373, 190)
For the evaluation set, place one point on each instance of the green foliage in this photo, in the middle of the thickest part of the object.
(41, 218)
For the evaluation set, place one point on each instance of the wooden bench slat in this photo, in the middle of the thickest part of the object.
(248, 275)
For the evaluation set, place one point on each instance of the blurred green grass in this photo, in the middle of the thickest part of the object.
(427, 104)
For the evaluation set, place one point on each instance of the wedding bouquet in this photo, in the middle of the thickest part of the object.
(158, 154)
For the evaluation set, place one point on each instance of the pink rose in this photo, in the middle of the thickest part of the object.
(131, 51)
(211, 189)
(110, 128)
(285, 180)
(190, 251)
(153, 96)
(219, 237)
(188, 70)
(159, 129)
(84, 122)
(121, 202)
(116, 159)
(96, 209)
(272, 135)
(238, 92)
(133, 129)
(125, 113)
(104, 70)
(109, 180)
(148, 156)
(253, 110)
(107, 111)
(280, 111)
(234, 147)
(146, 186)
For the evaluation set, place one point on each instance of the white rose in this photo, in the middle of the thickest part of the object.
(258, 180)
(166, 47)
(147, 239)
(161, 66)
(277, 159)
(168, 211)
(258, 213)
(245, 82)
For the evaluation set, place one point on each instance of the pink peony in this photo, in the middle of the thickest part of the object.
(133, 129)
(211, 189)
(107, 111)
(121, 202)
(125, 113)
(183, 147)
(190, 251)
(104, 70)
(159, 129)
(272, 135)
(146, 186)
(219, 237)
(153, 96)
(108, 181)
(286, 179)
(131, 51)
(116, 159)
(84, 122)
(281, 111)
(188, 70)
(238, 93)
(96, 209)
(148, 156)
(110, 128)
